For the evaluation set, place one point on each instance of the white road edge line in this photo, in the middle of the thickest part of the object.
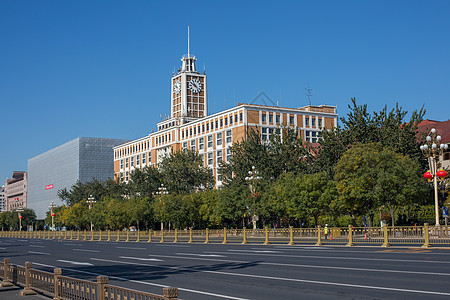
(86, 250)
(140, 258)
(306, 266)
(42, 253)
(288, 279)
(144, 282)
(75, 262)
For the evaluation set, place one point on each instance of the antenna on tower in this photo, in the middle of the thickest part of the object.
(188, 42)
(308, 94)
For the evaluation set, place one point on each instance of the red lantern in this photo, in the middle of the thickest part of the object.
(428, 175)
(53, 214)
(442, 173)
(20, 217)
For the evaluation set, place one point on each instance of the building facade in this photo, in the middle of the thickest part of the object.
(16, 191)
(2, 199)
(189, 126)
(81, 159)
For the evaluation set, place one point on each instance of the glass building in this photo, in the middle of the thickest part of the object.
(80, 159)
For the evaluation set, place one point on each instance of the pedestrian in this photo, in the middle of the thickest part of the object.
(325, 230)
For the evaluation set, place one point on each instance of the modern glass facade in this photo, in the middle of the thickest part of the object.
(80, 159)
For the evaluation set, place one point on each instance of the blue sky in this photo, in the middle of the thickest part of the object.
(103, 68)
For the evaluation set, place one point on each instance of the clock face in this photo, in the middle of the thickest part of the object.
(177, 87)
(195, 85)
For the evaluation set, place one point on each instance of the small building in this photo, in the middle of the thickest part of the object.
(16, 190)
(81, 159)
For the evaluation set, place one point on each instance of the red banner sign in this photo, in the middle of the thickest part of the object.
(49, 187)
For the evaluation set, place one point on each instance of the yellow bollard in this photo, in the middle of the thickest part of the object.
(207, 236)
(291, 236)
(350, 236)
(78, 235)
(118, 236)
(71, 234)
(245, 237)
(225, 236)
(100, 237)
(319, 236)
(109, 236)
(176, 236)
(65, 235)
(427, 237)
(149, 235)
(162, 236)
(138, 236)
(39, 234)
(385, 233)
(85, 235)
(54, 234)
(266, 242)
(190, 236)
(92, 235)
(128, 236)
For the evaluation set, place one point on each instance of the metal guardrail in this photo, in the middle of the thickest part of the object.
(384, 236)
(62, 287)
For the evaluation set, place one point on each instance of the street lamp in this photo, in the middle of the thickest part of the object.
(91, 201)
(432, 149)
(19, 210)
(253, 175)
(52, 206)
(162, 191)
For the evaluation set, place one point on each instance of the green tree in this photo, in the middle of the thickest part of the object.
(183, 172)
(369, 176)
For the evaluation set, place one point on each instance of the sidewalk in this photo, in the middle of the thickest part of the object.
(12, 292)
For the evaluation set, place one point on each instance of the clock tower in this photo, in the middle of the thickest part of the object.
(189, 98)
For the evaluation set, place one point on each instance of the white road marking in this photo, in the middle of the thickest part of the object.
(86, 250)
(41, 253)
(287, 279)
(2, 248)
(132, 248)
(255, 251)
(309, 266)
(147, 283)
(36, 246)
(75, 262)
(340, 258)
(140, 258)
(22, 240)
(201, 255)
(181, 246)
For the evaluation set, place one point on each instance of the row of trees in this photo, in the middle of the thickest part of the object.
(370, 166)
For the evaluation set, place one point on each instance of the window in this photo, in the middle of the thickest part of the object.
(138, 160)
(121, 176)
(264, 133)
(132, 161)
(219, 139)
(226, 121)
(320, 122)
(241, 117)
(207, 126)
(126, 163)
(127, 175)
(203, 128)
(193, 145)
(221, 122)
(217, 124)
(219, 177)
(228, 154)
(228, 134)
(291, 120)
(219, 156)
(270, 118)
(212, 125)
(306, 121)
(143, 159)
(210, 141)
(121, 164)
(277, 119)
(201, 143)
(182, 134)
(263, 118)
(184, 148)
(149, 157)
(235, 118)
(231, 120)
(190, 131)
(210, 158)
(195, 130)
(313, 121)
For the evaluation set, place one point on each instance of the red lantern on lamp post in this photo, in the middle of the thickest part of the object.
(442, 173)
(428, 175)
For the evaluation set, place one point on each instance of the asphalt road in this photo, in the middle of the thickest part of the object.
(216, 271)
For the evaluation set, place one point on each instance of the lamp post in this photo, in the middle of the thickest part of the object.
(91, 201)
(52, 206)
(19, 210)
(253, 176)
(432, 149)
(162, 191)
